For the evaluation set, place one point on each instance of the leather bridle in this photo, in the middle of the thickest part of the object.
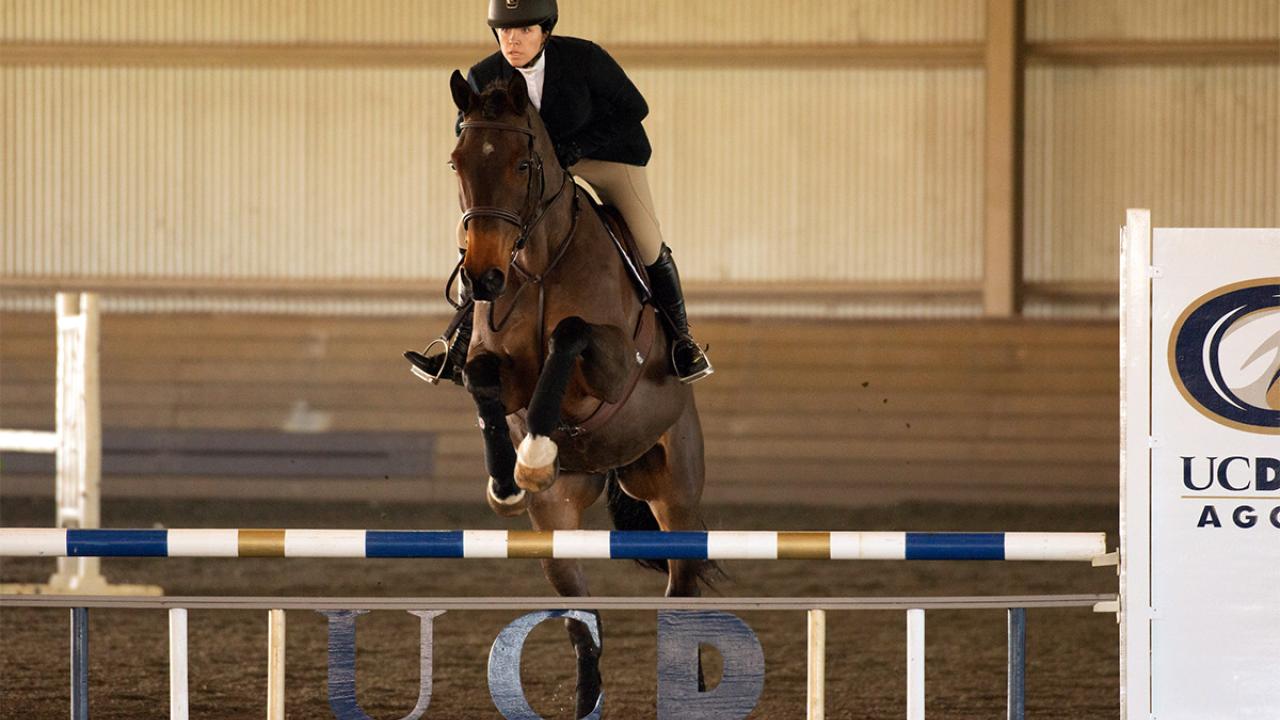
(527, 220)
(530, 216)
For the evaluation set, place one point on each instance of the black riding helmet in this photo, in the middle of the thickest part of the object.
(523, 13)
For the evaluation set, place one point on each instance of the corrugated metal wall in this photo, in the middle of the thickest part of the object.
(322, 173)
(625, 21)
(845, 174)
(762, 173)
(303, 172)
(1199, 145)
(237, 172)
(462, 21)
(1152, 19)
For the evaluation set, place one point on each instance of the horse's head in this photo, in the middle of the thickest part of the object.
(501, 177)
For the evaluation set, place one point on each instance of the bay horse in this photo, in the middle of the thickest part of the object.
(560, 363)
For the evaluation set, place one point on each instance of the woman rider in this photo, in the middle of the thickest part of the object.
(592, 111)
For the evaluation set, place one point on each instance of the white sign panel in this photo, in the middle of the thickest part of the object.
(1213, 478)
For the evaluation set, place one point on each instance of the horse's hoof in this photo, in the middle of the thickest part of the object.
(510, 507)
(537, 463)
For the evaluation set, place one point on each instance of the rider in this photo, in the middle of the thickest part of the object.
(592, 111)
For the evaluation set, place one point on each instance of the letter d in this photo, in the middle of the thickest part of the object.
(680, 632)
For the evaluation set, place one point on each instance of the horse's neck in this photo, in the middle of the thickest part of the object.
(555, 229)
(560, 227)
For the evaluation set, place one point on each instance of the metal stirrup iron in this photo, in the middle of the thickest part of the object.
(444, 361)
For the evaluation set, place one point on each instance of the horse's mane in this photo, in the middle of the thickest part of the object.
(495, 101)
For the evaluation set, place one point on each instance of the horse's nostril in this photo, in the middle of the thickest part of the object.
(493, 282)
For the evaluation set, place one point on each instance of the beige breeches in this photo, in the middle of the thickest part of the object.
(625, 187)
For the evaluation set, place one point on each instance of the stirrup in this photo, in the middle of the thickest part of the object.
(444, 362)
(695, 376)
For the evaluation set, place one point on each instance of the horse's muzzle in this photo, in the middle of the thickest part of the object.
(489, 285)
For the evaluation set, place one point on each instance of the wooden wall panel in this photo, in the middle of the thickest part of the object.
(797, 411)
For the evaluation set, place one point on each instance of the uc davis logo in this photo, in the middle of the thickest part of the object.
(1224, 354)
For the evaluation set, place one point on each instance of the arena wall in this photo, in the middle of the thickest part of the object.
(163, 143)
(259, 192)
(804, 411)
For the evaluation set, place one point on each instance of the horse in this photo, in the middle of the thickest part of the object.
(573, 396)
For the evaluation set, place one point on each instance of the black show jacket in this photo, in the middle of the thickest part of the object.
(586, 99)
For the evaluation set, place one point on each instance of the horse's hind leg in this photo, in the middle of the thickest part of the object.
(485, 385)
(560, 508)
(669, 477)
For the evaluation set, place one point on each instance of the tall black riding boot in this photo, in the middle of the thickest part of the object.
(688, 360)
(447, 363)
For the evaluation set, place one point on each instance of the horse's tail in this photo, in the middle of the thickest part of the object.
(629, 513)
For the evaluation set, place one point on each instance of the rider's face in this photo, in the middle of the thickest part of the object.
(520, 45)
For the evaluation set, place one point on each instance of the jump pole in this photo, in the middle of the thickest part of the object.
(560, 544)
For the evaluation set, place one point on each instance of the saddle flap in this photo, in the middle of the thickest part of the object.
(642, 338)
(625, 243)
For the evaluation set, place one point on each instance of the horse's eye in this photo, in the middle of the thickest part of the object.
(523, 167)
(452, 166)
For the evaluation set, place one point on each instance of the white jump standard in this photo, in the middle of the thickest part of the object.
(76, 444)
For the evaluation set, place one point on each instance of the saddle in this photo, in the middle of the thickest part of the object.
(625, 243)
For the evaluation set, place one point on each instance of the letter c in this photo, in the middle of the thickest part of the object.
(1222, 473)
(504, 663)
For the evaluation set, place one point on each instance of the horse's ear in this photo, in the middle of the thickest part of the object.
(518, 91)
(463, 95)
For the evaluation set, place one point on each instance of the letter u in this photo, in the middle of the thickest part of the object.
(342, 664)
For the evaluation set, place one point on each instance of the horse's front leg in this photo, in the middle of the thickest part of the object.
(560, 508)
(602, 348)
(485, 385)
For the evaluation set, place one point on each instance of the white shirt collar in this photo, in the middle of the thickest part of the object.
(534, 77)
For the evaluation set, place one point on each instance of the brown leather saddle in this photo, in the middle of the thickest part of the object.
(625, 243)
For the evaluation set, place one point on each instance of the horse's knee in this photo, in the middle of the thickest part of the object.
(482, 375)
(571, 336)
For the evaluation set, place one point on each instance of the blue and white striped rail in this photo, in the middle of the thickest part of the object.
(567, 544)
